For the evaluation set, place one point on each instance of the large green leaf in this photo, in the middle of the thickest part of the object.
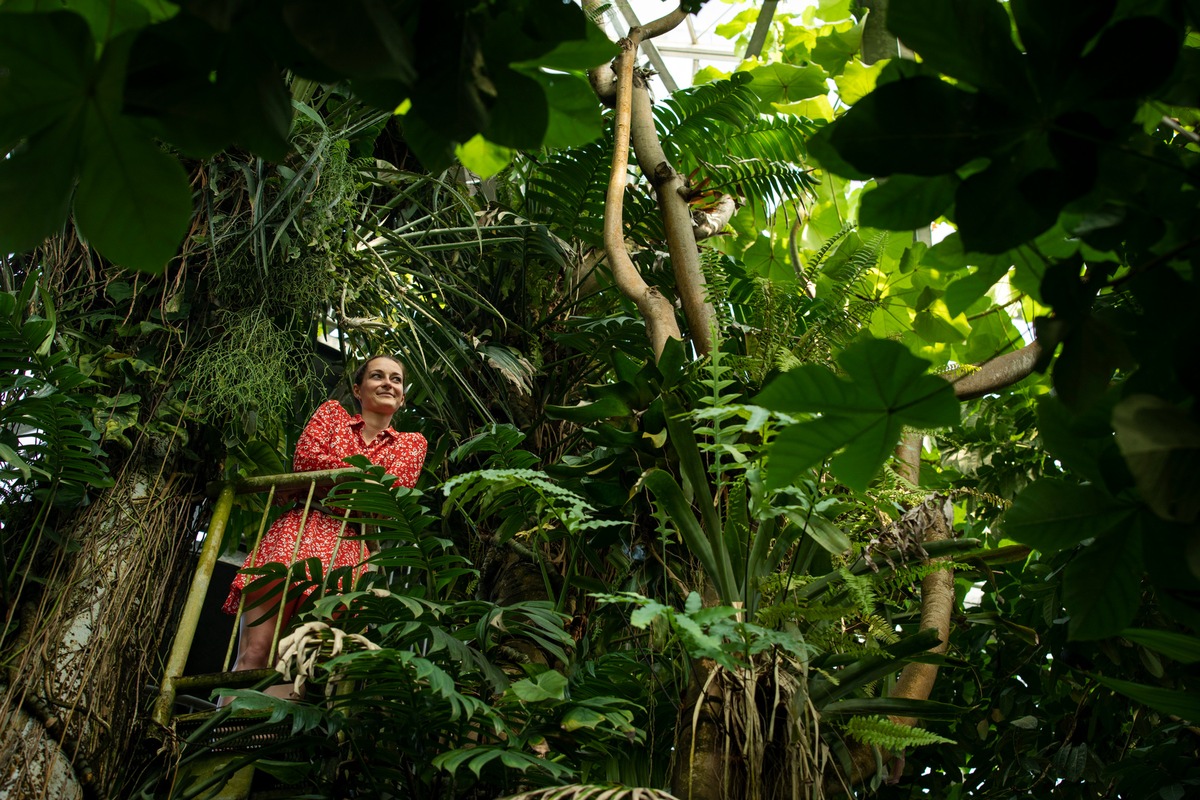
(862, 414)
(45, 63)
(574, 114)
(1102, 586)
(35, 186)
(1027, 184)
(961, 294)
(1180, 703)
(1179, 646)
(906, 202)
(521, 114)
(1078, 441)
(594, 49)
(970, 40)
(1053, 514)
(550, 685)
(1161, 444)
(921, 126)
(363, 39)
(133, 201)
(897, 707)
(608, 406)
(786, 83)
(679, 511)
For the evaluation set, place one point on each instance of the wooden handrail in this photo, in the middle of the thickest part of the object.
(224, 492)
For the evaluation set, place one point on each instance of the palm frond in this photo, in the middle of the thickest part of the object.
(566, 191)
(772, 139)
(696, 122)
(759, 181)
(594, 791)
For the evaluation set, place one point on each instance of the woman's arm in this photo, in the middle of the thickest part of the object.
(325, 440)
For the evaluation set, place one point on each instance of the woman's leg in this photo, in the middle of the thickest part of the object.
(254, 640)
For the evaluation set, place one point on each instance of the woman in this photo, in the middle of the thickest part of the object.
(330, 436)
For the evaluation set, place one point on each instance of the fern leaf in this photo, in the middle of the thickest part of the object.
(882, 732)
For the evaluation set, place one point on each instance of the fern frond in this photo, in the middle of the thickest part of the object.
(880, 629)
(520, 496)
(771, 139)
(642, 219)
(818, 258)
(861, 590)
(907, 574)
(760, 180)
(882, 732)
(567, 191)
(696, 122)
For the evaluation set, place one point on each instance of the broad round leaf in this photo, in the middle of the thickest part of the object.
(785, 83)
(46, 62)
(922, 126)
(1103, 586)
(35, 186)
(970, 40)
(906, 202)
(1161, 444)
(133, 202)
(886, 387)
(1053, 514)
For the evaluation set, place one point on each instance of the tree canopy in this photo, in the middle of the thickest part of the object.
(740, 483)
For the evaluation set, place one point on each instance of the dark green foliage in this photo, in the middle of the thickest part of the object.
(49, 452)
(885, 388)
(567, 190)
(204, 79)
(715, 133)
(1052, 124)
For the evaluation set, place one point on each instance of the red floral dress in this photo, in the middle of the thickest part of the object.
(330, 436)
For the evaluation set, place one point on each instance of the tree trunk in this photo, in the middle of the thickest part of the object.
(698, 771)
(88, 648)
(655, 309)
(635, 120)
(670, 189)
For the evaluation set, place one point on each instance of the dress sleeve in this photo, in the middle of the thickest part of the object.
(322, 445)
(407, 456)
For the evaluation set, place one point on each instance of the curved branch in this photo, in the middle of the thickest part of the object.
(999, 373)
(710, 221)
(664, 24)
(655, 309)
(669, 187)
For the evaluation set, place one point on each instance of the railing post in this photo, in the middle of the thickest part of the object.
(190, 618)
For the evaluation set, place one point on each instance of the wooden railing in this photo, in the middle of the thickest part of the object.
(284, 485)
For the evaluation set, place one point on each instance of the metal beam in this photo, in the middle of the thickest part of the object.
(692, 51)
(759, 37)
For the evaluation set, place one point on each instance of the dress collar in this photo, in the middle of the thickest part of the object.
(357, 423)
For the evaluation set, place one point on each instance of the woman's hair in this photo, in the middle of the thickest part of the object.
(361, 372)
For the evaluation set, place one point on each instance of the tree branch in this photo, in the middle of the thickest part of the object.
(999, 373)
(655, 309)
(664, 24)
(677, 221)
(710, 221)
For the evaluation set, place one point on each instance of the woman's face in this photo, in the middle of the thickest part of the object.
(382, 387)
